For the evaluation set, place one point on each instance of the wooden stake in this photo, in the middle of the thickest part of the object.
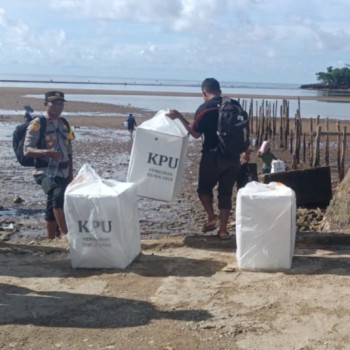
(317, 148)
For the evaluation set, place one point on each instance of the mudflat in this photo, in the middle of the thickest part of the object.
(184, 291)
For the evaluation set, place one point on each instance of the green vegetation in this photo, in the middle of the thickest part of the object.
(335, 78)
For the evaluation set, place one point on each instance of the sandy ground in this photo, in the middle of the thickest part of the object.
(184, 291)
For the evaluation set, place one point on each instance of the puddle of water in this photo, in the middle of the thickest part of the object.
(64, 114)
(8, 212)
(21, 212)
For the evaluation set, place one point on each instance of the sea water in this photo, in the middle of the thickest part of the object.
(185, 104)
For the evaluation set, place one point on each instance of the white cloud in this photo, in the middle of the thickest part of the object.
(270, 39)
(174, 15)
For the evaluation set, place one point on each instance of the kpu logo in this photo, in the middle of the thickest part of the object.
(94, 225)
(162, 160)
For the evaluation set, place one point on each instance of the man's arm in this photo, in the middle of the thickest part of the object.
(174, 114)
(40, 153)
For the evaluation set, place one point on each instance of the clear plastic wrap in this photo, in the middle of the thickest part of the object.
(102, 220)
(265, 226)
(158, 157)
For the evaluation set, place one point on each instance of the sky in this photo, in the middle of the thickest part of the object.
(279, 41)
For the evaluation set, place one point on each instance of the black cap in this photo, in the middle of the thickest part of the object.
(54, 95)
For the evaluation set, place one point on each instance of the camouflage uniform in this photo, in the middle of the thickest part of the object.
(57, 136)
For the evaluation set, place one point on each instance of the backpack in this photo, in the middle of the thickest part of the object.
(233, 128)
(18, 141)
(18, 137)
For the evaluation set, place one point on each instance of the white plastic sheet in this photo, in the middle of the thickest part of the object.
(265, 226)
(103, 222)
(158, 157)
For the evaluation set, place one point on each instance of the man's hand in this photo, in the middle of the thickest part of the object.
(174, 114)
(245, 156)
(56, 155)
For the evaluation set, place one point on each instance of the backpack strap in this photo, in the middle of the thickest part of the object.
(65, 122)
(201, 115)
(41, 141)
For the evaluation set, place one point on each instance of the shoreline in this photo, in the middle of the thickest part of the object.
(14, 98)
(8, 93)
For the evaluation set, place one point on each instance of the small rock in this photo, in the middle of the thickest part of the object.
(18, 200)
(229, 268)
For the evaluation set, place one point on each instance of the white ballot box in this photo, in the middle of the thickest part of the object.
(265, 226)
(102, 220)
(277, 166)
(158, 156)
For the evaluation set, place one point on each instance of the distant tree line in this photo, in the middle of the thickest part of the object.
(338, 78)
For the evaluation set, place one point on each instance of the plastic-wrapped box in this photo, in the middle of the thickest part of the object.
(158, 156)
(265, 226)
(102, 220)
(277, 166)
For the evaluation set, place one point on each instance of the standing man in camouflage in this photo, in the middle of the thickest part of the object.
(53, 160)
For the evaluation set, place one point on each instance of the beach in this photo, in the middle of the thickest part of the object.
(184, 291)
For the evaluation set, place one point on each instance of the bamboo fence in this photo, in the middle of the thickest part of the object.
(309, 146)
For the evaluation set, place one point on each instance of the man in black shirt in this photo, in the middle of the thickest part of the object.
(214, 168)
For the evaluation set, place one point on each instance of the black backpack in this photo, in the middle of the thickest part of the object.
(233, 128)
(18, 140)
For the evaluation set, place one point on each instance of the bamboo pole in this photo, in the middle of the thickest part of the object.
(297, 140)
(286, 130)
(338, 152)
(342, 158)
(268, 121)
(282, 145)
(257, 121)
(311, 126)
(316, 162)
(326, 152)
(304, 148)
(250, 116)
(291, 142)
(275, 118)
(311, 151)
(299, 117)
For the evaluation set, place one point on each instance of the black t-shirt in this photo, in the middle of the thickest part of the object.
(207, 125)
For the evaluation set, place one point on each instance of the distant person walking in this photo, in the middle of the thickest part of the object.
(131, 123)
(267, 157)
(28, 113)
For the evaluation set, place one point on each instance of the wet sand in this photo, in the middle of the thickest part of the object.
(184, 291)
